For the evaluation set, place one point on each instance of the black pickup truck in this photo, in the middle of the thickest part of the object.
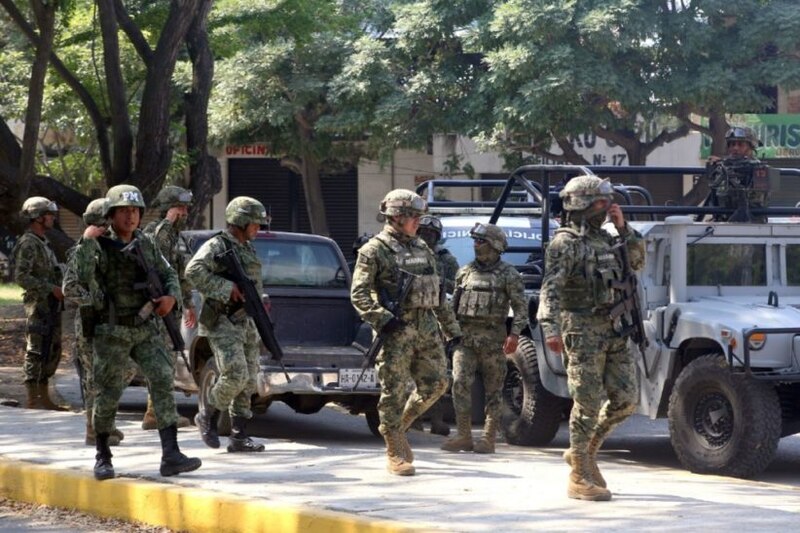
(307, 284)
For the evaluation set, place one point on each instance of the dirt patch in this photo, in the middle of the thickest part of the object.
(44, 517)
(12, 353)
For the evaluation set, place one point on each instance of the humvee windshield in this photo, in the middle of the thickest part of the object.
(727, 264)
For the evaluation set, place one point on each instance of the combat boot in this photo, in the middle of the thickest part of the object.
(44, 401)
(463, 439)
(438, 425)
(206, 422)
(397, 463)
(487, 441)
(103, 469)
(407, 421)
(581, 486)
(591, 453)
(173, 462)
(239, 441)
(149, 421)
(32, 401)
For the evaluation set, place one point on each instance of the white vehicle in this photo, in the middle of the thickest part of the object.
(720, 305)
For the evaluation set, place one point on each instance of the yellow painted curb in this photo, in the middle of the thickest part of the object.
(172, 506)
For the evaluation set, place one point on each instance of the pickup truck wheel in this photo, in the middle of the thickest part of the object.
(532, 413)
(208, 376)
(373, 421)
(723, 423)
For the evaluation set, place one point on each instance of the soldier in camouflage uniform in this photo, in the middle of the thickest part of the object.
(38, 272)
(231, 334)
(430, 231)
(730, 178)
(486, 289)
(413, 347)
(127, 326)
(173, 203)
(82, 299)
(575, 301)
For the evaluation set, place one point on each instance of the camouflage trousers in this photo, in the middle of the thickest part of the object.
(236, 348)
(481, 350)
(114, 347)
(415, 353)
(601, 377)
(35, 369)
(84, 351)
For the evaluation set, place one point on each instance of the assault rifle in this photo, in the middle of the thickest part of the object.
(154, 289)
(404, 282)
(252, 306)
(51, 319)
(629, 309)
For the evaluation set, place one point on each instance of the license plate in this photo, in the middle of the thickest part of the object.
(349, 376)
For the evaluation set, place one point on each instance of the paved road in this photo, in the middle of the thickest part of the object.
(331, 461)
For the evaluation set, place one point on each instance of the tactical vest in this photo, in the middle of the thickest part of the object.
(483, 294)
(117, 276)
(416, 260)
(590, 288)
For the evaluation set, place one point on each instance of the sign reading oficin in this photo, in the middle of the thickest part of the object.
(246, 150)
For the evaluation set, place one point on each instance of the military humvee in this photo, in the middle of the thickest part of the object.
(720, 309)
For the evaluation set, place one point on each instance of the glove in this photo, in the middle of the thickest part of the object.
(394, 325)
(451, 346)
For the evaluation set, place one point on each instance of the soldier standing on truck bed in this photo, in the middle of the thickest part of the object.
(173, 204)
(413, 347)
(126, 325)
(486, 289)
(232, 334)
(37, 271)
(574, 307)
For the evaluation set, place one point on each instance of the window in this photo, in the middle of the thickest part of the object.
(299, 264)
(735, 265)
(793, 264)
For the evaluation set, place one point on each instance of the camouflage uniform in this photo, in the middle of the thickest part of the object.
(83, 299)
(486, 289)
(413, 347)
(231, 334)
(174, 248)
(236, 345)
(38, 272)
(121, 334)
(574, 304)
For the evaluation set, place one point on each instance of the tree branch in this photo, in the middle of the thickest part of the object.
(133, 32)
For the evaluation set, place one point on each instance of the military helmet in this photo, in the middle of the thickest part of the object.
(360, 241)
(95, 213)
(172, 196)
(491, 234)
(581, 192)
(244, 210)
(124, 196)
(402, 202)
(431, 223)
(743, 133)
(36, 206)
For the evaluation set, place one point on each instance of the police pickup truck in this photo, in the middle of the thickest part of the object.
(720, 312)
(307, 285)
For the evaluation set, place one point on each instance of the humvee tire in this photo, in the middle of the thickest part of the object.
(723, 423)
(532, 414)
(208, 376)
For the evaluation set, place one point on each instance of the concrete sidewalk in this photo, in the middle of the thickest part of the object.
(324, 476)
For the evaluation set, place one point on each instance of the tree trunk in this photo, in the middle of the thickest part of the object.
(45, 15)
(153, 149)
(115, 84)
(205, 175)
(314, 201)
